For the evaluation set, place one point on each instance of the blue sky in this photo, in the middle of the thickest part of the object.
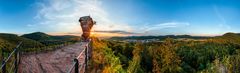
(142, 17)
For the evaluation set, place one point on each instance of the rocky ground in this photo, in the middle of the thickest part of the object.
(57, 61)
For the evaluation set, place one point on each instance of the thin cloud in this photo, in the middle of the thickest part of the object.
(218, 14)
(63, 15)
(166, 25)
(223, 20)
(115, 31)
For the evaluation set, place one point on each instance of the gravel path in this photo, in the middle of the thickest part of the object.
(57, 61)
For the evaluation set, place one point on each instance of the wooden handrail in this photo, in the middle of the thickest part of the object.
(76, 64)
(16, 61)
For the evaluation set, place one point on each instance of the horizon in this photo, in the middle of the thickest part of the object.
(122, 17)
(106, 35)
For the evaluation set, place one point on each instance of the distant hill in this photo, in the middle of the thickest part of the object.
(40, 36)
(225, 38)
(230, 34)
(49, 39)
(158, 37)
(34, 41)
(12, 40)
(64, 37)
(228, 38)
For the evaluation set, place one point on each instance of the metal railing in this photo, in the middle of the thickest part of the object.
(77, 66)
(14, 65)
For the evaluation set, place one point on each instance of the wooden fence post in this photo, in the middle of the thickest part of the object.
(2, 58)
(76, 66)
(86, 59)
(4, 67)
(16, 61)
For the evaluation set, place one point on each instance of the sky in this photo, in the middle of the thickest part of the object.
(121, 17)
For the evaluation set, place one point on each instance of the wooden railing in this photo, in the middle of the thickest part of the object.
(77, 66)
(14, 65)
(14, 56)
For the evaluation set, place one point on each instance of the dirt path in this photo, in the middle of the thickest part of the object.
(57, 61)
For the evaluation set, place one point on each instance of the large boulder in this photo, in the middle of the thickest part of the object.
(86, 23)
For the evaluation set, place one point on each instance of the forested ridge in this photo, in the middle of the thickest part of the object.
(36, 41)
(159, 37)
(211, 55)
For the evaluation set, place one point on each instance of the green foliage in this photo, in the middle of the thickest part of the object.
(165, 60)
(134, 64)
(158, 37)
(49, 40)
(34, 42)
(5, 44)
(13, 40)
(212, 55)
(198, 56)
(102, 55)
(38, 36)
(232, 63)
